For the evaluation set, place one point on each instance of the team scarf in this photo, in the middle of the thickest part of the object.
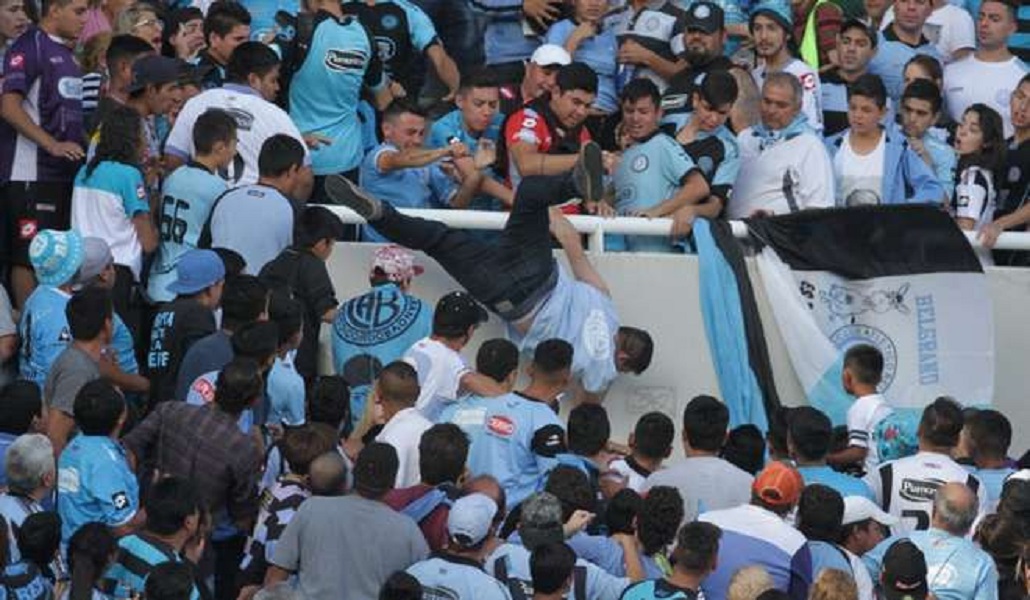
(770, 137)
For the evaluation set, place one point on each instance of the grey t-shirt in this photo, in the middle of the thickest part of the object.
(72, 370)
(347, 547)
(706, 483)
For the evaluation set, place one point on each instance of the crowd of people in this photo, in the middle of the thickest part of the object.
(166, 431)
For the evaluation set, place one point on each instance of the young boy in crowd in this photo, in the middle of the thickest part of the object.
(651, 444)
(301, 270)
(863, 368)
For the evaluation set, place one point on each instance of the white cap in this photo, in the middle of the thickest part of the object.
(860, 508)
(549, 55)
(471, 518)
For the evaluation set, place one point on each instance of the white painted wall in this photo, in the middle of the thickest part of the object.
(659, 293)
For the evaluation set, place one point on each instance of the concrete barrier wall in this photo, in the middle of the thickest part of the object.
(659, 293)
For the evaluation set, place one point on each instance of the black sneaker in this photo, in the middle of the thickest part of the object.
(344, 191)
(588, 173)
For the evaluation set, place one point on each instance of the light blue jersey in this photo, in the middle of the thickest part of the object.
(598, 53)
(285, 392)
(325, 90)
(504, 40)
(945, 161)
(956, 569)
(414, 187)
(824, 555)
(583, 316)
(94, 483)
(512, 437)
(104, 203)
(451, 128)
(994, 481)
(889, 61)
(512, 560)
(44, 334)
(845, 485)
(456, 578)
(649, 173)
(186, 200)
(373, 330)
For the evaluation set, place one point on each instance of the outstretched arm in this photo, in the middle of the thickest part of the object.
(568, 237)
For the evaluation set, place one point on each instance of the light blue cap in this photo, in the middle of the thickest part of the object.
(779, 10)
(56, 256)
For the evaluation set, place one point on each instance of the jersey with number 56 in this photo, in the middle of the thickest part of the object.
(906, 487)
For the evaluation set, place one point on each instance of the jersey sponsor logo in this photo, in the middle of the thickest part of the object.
(27, 229)
(807, 81)
(244, 119)
(675, 101)
(17, 61)
(120, 500)
(469, 417)
(205, 389)
(597, 339)
(386, 47)
(639, 164)
(68, 481)
(501, 425)
(439, 593)
(375, 318)
(70, 88)
(344, 60)
(919, 490)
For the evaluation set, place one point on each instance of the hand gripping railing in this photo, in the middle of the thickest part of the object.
(597, 227)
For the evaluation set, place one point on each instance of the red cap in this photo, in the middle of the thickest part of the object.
(778, 484)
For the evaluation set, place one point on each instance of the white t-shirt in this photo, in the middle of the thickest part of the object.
(811, 101)
(786, 177)
(905, 487)
(859, 176)
(861, 574)
(969, 81)
(404, 431)
(949, 28)
(635, 474)
(440, 370)
(863, 417)
(256, 119)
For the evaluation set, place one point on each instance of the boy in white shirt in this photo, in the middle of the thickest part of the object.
(863, 368)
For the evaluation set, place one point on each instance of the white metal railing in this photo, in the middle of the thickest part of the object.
(597, 227)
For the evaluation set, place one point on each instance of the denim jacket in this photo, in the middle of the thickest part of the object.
(906, 178)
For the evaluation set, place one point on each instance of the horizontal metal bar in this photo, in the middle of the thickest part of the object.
(491, 220)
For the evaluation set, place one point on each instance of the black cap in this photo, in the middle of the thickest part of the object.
(456, 312)
(704, 16)
(376, 469)
(153, 69)
(869, 31)
(904, 572)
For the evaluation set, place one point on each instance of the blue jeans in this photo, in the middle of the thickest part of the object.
(509, 275)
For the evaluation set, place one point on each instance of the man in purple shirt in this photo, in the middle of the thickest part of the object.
(41, 134)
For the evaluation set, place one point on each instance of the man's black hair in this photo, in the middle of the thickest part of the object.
(39, 538)
(232, 260)
(497, 359)
(481, 77)
(820, 513)
(98, 407)
(653, 434)
(125, 48)
(572, 488)
(279, 154)
(401, 106)
(250, 58)
(638, 348)
(287, 313)
(551, 566)
(401, 586)
(865, 363)
(660, 515)
(170, 501)
(317, 223)
(443, 451)
(923, 89)
(745, 448)
(552, 356)
(301, 445)
(697, 545)
(398, 382)
(811, 432)
(577, 76)
(638, 89)
(244, 298)
(223, 16)
(329, 401)
(20, 403)
(213, 125)
(257, 340)
(588, 430)
(169, 581)
(777, 433)
(869, 86)
(705, 420)
(622, 511)
(718, 89)
(376, 469)
(941, 422)
(87, 311)
(239, 383)
(866, 30)
(991, 434)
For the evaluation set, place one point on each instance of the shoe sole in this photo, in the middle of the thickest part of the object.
(593, 171)
(345, 192)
